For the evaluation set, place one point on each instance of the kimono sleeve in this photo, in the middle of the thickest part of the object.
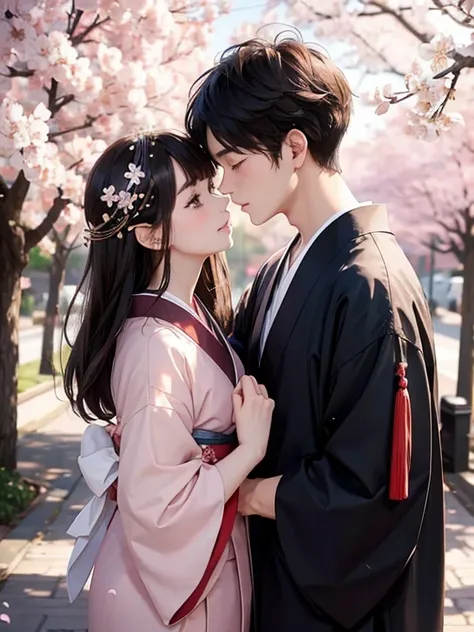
(171, 502)
(343, 541)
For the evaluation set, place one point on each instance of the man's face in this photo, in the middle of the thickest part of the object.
(261, 188)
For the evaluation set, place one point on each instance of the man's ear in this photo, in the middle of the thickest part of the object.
(298, 143)
(148, 236)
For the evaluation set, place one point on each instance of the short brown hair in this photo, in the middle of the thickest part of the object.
(258, 91)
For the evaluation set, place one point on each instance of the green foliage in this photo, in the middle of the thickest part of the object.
(15, 495)
(27, 306)
(39, 260)
(29, 375)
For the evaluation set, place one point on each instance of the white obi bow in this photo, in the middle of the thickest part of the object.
(98, 463)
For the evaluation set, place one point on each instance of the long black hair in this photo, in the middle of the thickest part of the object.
(118, 267)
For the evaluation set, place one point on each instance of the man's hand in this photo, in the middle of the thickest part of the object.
(257, 497)
(246, 492)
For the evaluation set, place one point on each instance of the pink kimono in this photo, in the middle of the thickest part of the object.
(175, 555)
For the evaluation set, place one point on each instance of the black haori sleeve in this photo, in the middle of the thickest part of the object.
(344, 539)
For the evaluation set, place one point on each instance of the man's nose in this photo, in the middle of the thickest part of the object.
(225, 186)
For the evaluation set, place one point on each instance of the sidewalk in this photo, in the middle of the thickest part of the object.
(34, 597)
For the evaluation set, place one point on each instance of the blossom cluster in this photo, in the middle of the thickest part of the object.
(428, 117)
(74, 76)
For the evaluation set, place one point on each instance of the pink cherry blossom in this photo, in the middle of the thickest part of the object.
(131, 72)
(437, 51)
(394, 36)
(383, 107)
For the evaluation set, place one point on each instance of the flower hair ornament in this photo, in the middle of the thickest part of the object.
(126, 205)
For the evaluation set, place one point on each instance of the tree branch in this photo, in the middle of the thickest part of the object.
(16, 72)
(52, 93)
(73, 23)
(89, 122)
(72, 246)
(64, 100)
(378, 53)
(455, 230)
(457, 9)
(408, 26)
(78, 39)
(16, 196)
(55, 103)
(450, 247)
(35, 235)
(317, 14)
(460, 62)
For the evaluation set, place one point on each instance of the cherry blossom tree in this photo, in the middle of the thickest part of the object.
(75, 75)
(65, 237)
(428, 44)
(431, 203)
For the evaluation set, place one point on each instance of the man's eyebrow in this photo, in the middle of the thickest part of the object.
(224, 152)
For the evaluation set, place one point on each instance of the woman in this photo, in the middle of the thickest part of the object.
(162, 531)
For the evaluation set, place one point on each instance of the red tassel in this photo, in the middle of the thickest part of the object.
(401, 442)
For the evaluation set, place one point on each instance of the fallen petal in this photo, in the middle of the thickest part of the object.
(382, 108)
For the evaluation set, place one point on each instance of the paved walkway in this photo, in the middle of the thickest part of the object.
(34, 598)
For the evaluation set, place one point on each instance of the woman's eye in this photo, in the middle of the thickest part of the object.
(237, 165)
(195, 201)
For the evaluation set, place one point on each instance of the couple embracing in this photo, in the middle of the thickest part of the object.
(277, 469)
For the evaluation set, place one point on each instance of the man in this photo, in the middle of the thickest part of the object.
(346, 510)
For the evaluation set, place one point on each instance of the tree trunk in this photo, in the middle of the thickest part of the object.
(56, 277)
(9, 318)
(465, 368)
(12, 261)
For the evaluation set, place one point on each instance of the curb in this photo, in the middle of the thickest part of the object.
(39, 389)
(37, 424)
(32, 527)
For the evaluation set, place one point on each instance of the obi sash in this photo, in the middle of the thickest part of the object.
(99, 459)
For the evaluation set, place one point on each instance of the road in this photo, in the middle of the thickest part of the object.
(31, 341)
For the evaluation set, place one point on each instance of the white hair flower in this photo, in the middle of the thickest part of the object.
(134, 174)
(109, 196)
(126, 200)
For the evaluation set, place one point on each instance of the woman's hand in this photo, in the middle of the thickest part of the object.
(253, 415)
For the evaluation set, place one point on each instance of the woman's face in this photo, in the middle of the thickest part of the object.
(200, 221)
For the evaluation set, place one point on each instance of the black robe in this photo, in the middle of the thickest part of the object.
(341, 555)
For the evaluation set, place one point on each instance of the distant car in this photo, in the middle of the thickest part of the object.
(455, 294)
(441, 285)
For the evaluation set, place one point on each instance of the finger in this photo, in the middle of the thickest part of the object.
(256, 384)
(238, 388)
(263, 390)
(248, 387)
(237, 401)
